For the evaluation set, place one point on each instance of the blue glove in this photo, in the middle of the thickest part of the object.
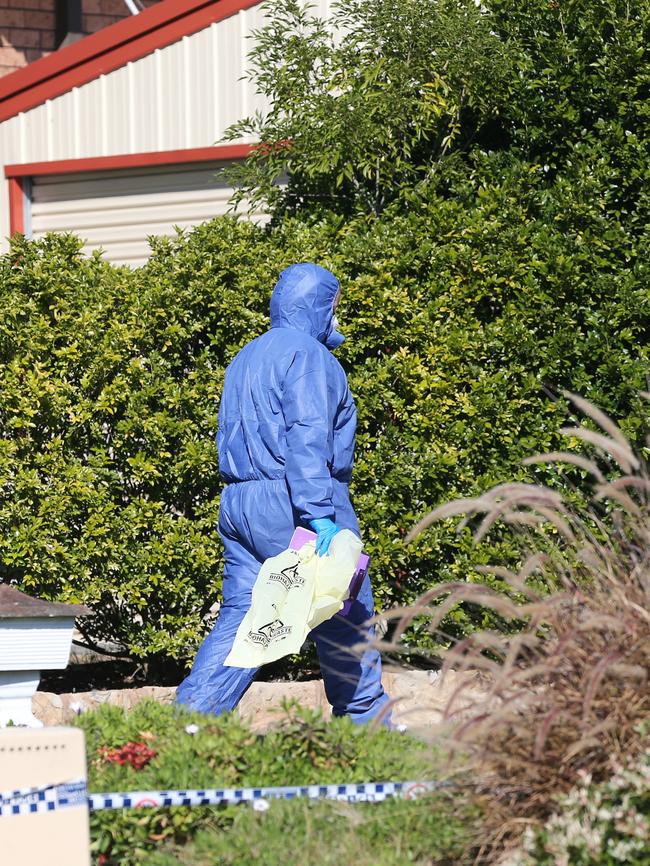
(325, 530)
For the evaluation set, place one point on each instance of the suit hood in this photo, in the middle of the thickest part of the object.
(303, 300)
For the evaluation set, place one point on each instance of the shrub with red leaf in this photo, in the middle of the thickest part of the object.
(138, 755)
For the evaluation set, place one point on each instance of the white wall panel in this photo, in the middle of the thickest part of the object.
(229, 71)
(12, 148)
(62, 128)
(91, 119)
(244, 86)
(12, 140)
(144, 105)
(36, 134)
(255, 21)
(4, 214)
(201, 90)
(116, 109)
(116, 211)
(172, 87)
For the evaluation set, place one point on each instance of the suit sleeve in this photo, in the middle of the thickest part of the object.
(305, 405)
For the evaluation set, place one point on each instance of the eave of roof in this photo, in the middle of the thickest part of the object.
(17, 605)
(225, 152)
(109, 49)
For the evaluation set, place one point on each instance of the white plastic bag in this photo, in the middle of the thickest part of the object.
(294, 592)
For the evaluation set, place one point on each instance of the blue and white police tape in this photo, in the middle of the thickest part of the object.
(29, 801)
(47, 799)
(369, 792)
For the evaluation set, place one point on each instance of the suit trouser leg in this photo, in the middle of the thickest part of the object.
(256, 522)
(211, 687)
(351, 671)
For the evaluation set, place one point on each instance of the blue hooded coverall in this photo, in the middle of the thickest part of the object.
(286, 438)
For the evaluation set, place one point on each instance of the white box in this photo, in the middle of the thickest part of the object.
(33, 758)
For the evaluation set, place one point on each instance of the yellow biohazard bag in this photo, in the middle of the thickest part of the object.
(294, 592)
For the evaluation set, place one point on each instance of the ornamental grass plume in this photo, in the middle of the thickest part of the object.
(568, 692)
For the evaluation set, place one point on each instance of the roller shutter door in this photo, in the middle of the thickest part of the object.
(116, 211)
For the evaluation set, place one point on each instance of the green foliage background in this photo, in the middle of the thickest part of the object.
(501, 267)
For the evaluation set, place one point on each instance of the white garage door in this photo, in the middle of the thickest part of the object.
(116, 211)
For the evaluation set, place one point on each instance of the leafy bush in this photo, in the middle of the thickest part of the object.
(197, 751)
(513, 272)
(407, 88)
(461, 315)
(596, 825)
(366, 105)
(567, 700)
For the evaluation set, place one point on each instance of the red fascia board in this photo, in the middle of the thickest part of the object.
(16, 206)
(109, 49)
(128, 160)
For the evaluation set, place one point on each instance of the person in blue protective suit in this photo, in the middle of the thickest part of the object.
(286, 439)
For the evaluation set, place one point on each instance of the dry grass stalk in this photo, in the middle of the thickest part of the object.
(568, 692)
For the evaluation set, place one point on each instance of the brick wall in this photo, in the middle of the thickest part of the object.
(27, 27)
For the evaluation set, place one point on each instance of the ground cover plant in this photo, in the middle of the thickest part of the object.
(559, 738)
(156, 747)
(424, 832)
(605, 824)
(507, 260)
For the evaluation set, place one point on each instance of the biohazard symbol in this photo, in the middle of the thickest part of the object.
(288, 577)
(270, 628)
(274, 630)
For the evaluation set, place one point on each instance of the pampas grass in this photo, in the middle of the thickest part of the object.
(568, 693)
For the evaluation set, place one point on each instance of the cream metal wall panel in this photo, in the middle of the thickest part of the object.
(173, 93)
(243, 84)
(189, 117)
(36, 134)
(255, 20)
(4, 213)
(228, 72)
(12, 142)
(117, 211)
(111, 185)
(91, 119)
(144, 105)
(11, 139)
(114, 111)
(200, 87)
(62, 127)
(214, 96)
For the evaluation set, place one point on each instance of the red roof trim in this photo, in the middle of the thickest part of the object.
(128, 160)
(110, 48)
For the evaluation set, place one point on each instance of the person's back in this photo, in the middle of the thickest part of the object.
(286, 441)
(251, 436)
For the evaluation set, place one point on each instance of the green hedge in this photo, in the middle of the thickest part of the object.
(512, 268)
(463, 315)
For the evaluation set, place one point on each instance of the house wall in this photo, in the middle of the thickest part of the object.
(181, 96)
(27, 27)
(116, 211)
